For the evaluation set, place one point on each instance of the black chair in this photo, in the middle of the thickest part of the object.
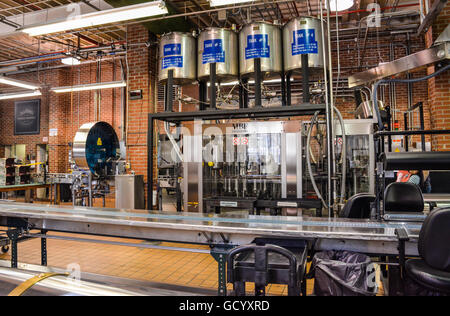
(267, 264)
(403, 197)
(358, 206)
(432, 271)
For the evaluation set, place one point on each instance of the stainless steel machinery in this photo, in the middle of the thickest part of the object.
(96, 148)
(303, 35)
(244, 164)
(129, 191)
(360, 155)
(241, 164)
(177, 55)
(359, 159)
(96, 153)
(260, 41)
(217, 46)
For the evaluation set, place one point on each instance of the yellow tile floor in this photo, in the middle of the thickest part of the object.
(155, 265)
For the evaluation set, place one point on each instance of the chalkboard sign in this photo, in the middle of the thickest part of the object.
(27, 117)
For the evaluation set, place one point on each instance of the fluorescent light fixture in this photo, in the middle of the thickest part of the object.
(218, 3)
(340, 5)
(18, 83)
(92, 86)
(20, 95)
(131, 12)
(71, 61)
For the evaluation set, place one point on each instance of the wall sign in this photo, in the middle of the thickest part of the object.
(136, 95)
(172, 56)
(27, 117)
(213, 52)
(257, 46)
(305, 42)
(53, 132)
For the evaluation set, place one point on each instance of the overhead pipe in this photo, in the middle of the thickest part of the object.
(340, 13)
(28, 70)
(55, 55)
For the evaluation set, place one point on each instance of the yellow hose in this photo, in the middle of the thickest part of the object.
(25, 286)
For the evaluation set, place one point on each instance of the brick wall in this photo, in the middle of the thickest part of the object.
(65, 112)
(439, 93)
(7, 136)
(142, 71)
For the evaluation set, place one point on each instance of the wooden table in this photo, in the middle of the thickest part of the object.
(28, 188)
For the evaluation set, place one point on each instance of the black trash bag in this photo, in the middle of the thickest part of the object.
(343, 273)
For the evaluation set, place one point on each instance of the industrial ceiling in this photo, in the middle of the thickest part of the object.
(187, 15)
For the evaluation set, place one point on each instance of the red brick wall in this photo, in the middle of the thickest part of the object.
(65, 112)
(439, 92)
(142, 71)
(7, 116)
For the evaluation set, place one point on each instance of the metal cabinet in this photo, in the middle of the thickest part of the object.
(130, 192)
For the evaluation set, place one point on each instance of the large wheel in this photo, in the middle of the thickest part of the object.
(5, 249)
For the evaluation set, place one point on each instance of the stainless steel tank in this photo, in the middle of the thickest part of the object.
(220, 46)
(95, 147)
(177, 53)
(303, 35)
(260, 40)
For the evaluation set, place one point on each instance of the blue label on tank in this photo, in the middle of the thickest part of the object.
(257, 46)
(172, 62)
(305, 42)
(172, 49)
(172, 56)
(213, 51)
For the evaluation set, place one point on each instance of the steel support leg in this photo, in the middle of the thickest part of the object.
(44, 249)
(212, 85)
(288, 90)
(13, 235)
(220, 255)
(169, 92)
(258, 82)
(150, 162)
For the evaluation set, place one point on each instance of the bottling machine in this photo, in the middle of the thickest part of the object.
(242, 163)
(222, 161)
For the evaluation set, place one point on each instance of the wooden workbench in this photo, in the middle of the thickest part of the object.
(25, 187)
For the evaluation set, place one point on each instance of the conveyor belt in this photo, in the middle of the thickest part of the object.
(220, 232)
(195, 217)
(358, 235)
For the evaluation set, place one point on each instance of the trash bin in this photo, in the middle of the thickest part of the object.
(343, 273)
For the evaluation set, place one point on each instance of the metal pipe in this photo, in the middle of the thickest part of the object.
(331, 112)
(328, 115)
(308, 161)
(377, 110)
(344, 154)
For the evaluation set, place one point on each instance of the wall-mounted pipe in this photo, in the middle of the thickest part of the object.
(376, 85)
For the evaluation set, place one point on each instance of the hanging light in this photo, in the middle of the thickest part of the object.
(218, 3)
(340, 5)
(71, 61)
(18, 83)
(131, 12)
(92, 86)
(8, 96)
